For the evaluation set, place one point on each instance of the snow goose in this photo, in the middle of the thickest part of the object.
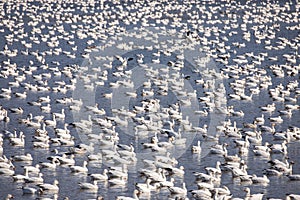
(118, 172)
(18, 141)
(203, 193)
(219, 149)
(21, 95)
(250, 196)
(269, 108)
(6, 172)
(216, 170)
(7, 164)
(64, 133)
(268, 129)
(279, 148)
(178, 190)
(29, 190)
(51, 165)
(100, 177)
(135, 196)
(33, 169)
(260, 120)
(262, 153)
(65, 160)
(292, 197)
(38, 179)
(51, 122)
(17, 110)
(260, 180)
(294, 177)
(156, 176)
(79, 169)
(119, 182)
(60, 115)
(145, 187)
(89, 186)
(9, 196)
(50, 187)
(276, 119)
(196, 149)
(26, 157)
(166, 183)
(200, 129)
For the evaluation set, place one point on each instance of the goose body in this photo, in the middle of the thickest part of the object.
(178, 190)
(79, 169)
(89, 186)
(196, 149)
(50, 187)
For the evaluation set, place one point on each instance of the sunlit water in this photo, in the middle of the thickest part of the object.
(278, 187)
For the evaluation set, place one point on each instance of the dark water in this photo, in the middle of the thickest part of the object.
(278, 187)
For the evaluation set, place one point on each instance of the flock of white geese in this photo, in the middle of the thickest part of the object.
(254, 84)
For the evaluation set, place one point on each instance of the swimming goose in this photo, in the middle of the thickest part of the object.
(166, 183)
(51, 122)
(7, 164)
(216, 170)
(292, 197)
(38, 179)
(260, 180)
(178, 190)
(219, 149)
(33, 169)
(196, 149)
(276, 119)
(29, 190)
(135, 196)
(26, 157)
(60, 115)
(156, 176)
(268, 129)
(9, 196)
(145, 187)
(119, 182)
(262, 153)
(294, 177)
(250, 196)
(18, 110)
(48, 165)
(79, 169)
(279, 148)
(21, 177)
(89, 186)
(18, 141)
(50, 187)
(100, 177)
(201, 130)
(64, 160)
(118, 172)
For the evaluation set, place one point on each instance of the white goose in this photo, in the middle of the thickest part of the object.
(60, 115)
(250, 196)
(51, 122)
(20, 177)
(178, 190)
(260, 180)
(196, 149)
(50, 187)
(89, 186)
(26, 157)
(80, 169)
(145, 187)
(100, 177)
(135, 196)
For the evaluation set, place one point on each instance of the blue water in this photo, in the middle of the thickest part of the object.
(278, 187)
